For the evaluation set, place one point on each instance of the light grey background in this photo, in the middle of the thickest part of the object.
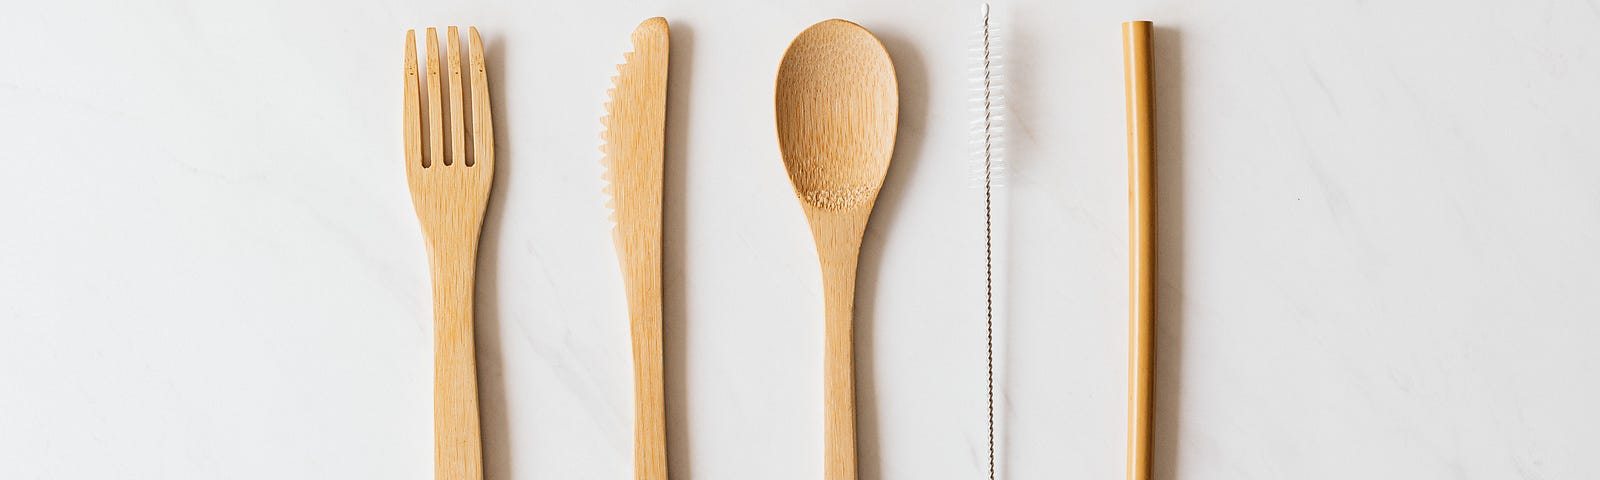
(1378, 239)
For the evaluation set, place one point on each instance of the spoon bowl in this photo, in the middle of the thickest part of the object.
(837, 109)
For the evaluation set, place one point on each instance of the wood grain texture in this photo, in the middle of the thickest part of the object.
(1141, 244)
(634, 145)
(450, 195)
(837, 111)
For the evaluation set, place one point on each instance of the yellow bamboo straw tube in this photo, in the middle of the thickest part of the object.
(1141, 243)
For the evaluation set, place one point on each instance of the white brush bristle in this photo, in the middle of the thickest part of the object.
(988, 100)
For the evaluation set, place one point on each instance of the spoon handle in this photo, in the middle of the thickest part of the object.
(839, 362)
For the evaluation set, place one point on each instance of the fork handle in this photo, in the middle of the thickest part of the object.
(458, 446)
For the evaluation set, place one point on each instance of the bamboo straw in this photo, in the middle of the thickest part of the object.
(1141, 243)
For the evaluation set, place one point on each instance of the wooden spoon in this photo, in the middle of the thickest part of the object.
(837, 109)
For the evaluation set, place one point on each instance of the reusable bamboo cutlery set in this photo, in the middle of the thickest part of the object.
(836, 115)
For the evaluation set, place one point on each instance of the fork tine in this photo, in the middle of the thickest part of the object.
(482, 126)
(458, 131)
(435, 103)
(413, 114)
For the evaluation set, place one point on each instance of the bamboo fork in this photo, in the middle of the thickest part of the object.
(450, 193)
(1141, 248)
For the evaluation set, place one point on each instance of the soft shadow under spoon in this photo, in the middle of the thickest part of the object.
(837, 109)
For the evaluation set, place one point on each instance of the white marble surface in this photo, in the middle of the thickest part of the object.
(1379, 253)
